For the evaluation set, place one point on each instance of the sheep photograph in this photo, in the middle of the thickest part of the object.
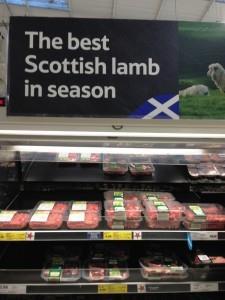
(202, 70)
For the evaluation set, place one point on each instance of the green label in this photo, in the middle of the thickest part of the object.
(197, 210)
(114, 273)
(118, 194)
(118, 203)
(55, 273)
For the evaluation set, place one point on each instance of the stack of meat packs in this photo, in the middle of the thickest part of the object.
(123, 210)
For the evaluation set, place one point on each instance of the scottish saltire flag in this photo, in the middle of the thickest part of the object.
(159, 107)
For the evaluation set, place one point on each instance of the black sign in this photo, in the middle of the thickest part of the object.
(93, 68)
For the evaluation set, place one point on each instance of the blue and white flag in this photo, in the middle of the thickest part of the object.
(159, 107)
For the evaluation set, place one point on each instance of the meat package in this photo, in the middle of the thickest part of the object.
(163, 214)
(106, 267)
(197, 159)
(60, 207)
(121, 195)
(68, 157)
(159, 265)
(114, 164)
(121, 214)
(14, 219)
(90, 158)
(145, 197)
(84, 215)
(46, 220)
(209, 170)
(61, 267)
(83, 219)
(204, 216)
(141, 169)
(206, 265)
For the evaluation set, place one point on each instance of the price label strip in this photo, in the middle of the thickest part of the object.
(117, 235)
(13, 236)
(13, 289)
(204, 236)
(204, 287)
(112, 289)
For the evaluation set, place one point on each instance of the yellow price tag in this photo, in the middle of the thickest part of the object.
(12, 235)
(117, 235)
(112, 288)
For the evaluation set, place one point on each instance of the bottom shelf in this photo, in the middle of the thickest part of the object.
(112, 288)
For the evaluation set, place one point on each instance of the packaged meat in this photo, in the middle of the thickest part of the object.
(112, 223)
(53, 206)
(68, 157)
(221, 170)
(193, 171)
(121, 195)
(95, 270)
(155, 196)
(61, 268)
(139, 169)
(161, 214)
(217, 158)
(208, 170)
(83, 220)
(162, 266)
(115, 164)
(91, 206)
(68, 272)
(46, 220)
(204, 216)
(106, 267)
(14, 219)
(205, 264)
(197, 159)
(90, 158)
(123, 209)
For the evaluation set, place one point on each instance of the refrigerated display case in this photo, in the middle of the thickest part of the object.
(55, 193)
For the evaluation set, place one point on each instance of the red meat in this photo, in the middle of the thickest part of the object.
(141, 169)
(19, 221)
(54, 221)
(128, 224)
(169, 219)
(60, 207)
(213, 217)
(91, 221)
(132, 210)
(91, 207)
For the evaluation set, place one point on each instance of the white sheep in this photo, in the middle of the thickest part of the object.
(217, 74)
(195, 90)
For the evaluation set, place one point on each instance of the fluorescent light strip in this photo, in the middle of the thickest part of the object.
(105, 150)
(110, 133)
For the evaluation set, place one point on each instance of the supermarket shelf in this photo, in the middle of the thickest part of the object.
(110, 235)
(89, 176)
(113, 288)
(47, 172)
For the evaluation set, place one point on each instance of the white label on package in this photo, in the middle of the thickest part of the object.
(77, 216)
(6, 216)
(40, 216)
(203, 258)
(79, 205)
(47, 205)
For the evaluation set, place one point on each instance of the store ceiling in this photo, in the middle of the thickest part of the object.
(191, 10)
